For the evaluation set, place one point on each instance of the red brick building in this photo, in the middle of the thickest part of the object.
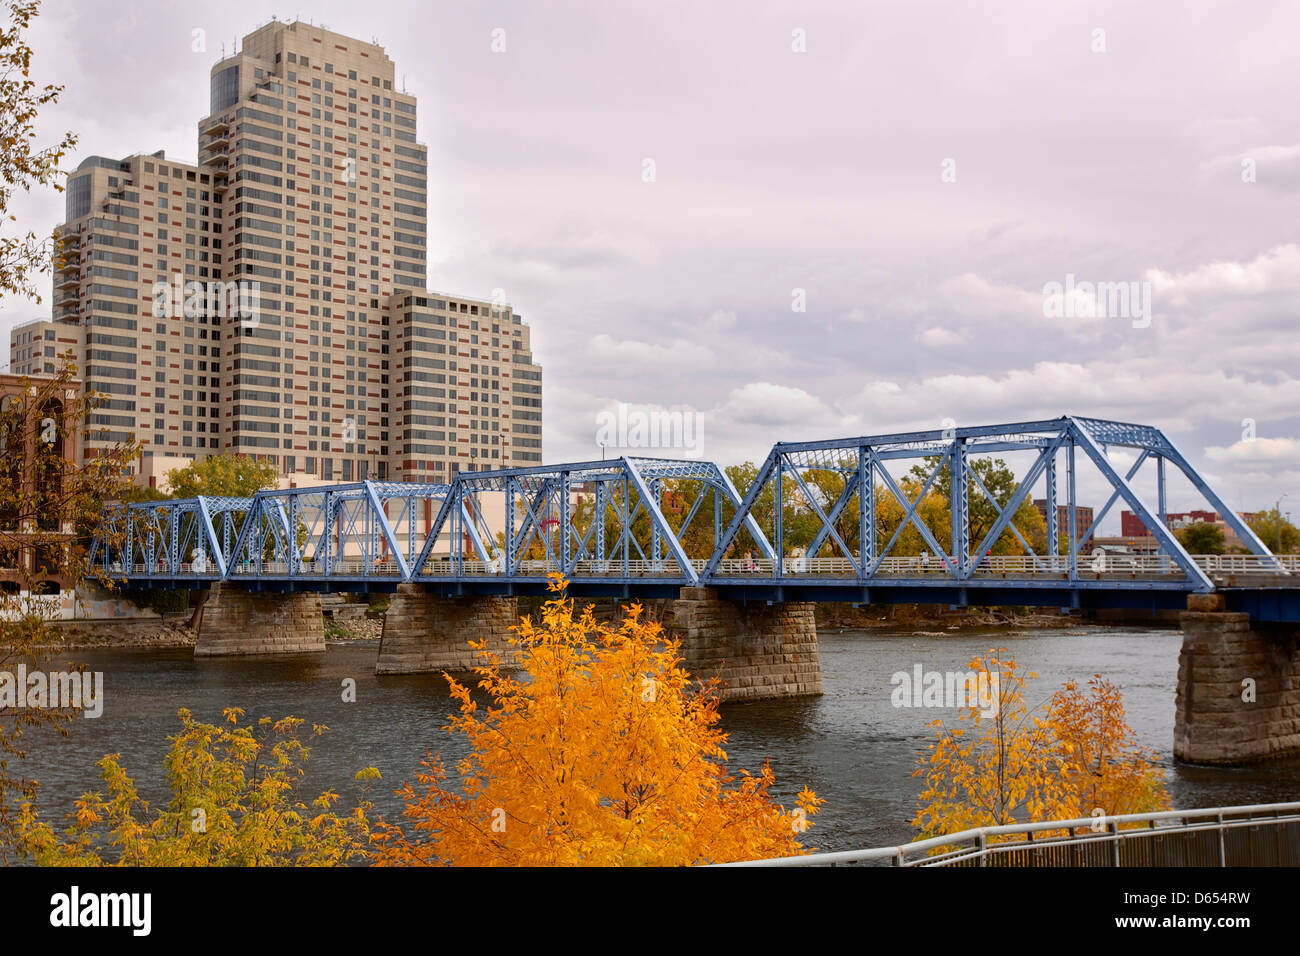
(33, 477)
(1131, 525)
(1082, 517)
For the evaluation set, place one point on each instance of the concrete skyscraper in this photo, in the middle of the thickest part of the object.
(270, 299)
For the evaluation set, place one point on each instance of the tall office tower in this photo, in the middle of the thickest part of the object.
(270, 300)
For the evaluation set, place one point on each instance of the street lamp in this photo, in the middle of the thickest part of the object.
(1277, 509)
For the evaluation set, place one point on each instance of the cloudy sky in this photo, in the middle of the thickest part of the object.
(658, 187)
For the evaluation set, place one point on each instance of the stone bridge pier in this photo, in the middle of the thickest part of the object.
(425, 633)
(757, 651)
(232, 622)
(1238, 694)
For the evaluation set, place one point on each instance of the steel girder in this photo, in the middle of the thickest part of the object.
(359, 530)
(639, 519)
(855, 464)
(169, 538)
(580, 519)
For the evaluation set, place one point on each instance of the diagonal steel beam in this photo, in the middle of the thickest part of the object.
(1018, 496)
(1114, 497)
(910, 516)
(837, 509)
(657, 517)
(1175, 548)
(827, 525)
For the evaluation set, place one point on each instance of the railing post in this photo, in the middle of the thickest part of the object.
(1223, 850)
(1114, 847)
(982, 841)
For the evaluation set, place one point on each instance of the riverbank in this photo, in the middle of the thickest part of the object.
(940, 617)
(175, 631)
(109, 634)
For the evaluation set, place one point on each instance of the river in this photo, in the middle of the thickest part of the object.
(851, 745)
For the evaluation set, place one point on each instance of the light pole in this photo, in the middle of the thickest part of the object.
(1277, 509)
(602, 451)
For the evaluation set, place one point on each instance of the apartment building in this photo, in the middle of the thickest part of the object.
(1082, 518)
(270, 299)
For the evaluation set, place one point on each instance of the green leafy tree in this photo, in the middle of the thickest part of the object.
(1001, 482)
(1278, 534)
(230, 476)
(1202, 538)
(234, 802)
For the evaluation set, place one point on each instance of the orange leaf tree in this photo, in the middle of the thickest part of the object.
(599, 752)
(1073, 757)
(1103, 768)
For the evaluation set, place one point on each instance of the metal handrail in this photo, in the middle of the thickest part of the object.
(979, 844)
(1118, 566)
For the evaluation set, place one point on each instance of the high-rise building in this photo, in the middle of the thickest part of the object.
(270, 299)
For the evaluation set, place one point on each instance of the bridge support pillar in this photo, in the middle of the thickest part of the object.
(1238, 696)
(757, 651)
(425, 633)
(234, 622)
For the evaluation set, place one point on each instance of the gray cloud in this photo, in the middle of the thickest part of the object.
(819, 171)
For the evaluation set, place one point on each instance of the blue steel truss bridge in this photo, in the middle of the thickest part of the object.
(894, 518)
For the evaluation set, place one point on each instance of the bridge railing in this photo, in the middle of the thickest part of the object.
(443, 567)
(931, 565)
(317, 568)
(1255, 835)
(915, 566)
(1247, 563)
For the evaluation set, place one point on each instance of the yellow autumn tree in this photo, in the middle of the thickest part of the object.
(1103, 768)
(990, 769)
(234, 803)
(600, 752)
(1073, 757)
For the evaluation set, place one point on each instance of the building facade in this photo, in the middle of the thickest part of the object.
(38, 448)
(1131, 526)
(1082, 518)
(270, 299)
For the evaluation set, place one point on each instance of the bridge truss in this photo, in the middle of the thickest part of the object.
(650, 526)
(825, 478)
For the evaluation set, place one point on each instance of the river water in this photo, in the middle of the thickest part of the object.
(851, 745)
